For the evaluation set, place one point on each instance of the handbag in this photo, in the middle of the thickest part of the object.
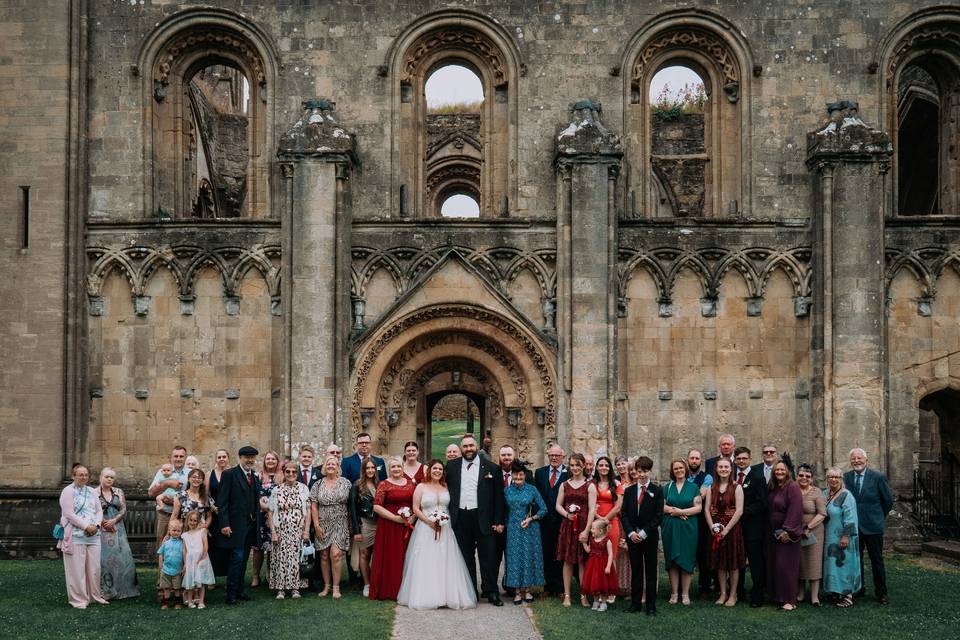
(58, 531)
(308, 559)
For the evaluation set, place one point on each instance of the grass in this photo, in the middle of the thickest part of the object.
(925, 603)
(457, 107)
(445, 432)
(33, 604)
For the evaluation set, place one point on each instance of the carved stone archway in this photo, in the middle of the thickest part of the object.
(496, 357)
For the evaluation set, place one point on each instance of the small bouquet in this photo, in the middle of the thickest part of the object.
(717, 530)
(438, 519)
(405, 513)
(574, 508)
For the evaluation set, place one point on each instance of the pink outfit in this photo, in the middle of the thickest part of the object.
(79, 508)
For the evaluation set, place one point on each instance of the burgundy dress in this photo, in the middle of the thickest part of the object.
(569, 548)
(729, 554)
(390, 543)
(595, 581)
(786, 513)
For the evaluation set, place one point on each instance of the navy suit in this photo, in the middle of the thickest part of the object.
(874, 502)
(646, 518)
(550, 526)
(757, 535)
(238, 506)
(350, 468)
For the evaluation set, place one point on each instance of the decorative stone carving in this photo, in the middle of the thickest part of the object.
(141, 305)
(942, 35)
(359, 305)
(453, 38)
(317, 133)
(585, 134)
(208, 39)
(95, 306)
(549, 308)
(699, 40)
(847, 136)
(754, 306)
(232, 305)
(513, 416)
(708, 307)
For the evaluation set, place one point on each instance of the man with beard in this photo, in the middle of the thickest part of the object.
(698, 475)
(507, 456)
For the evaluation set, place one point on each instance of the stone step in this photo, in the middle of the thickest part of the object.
(946, 550)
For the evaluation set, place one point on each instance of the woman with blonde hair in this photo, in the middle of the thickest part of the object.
(329, 512)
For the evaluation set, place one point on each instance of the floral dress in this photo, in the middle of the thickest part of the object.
(267, 486)
(289, 506)
(188, 504)
(523, 564)
(118, 573)
(332, 512)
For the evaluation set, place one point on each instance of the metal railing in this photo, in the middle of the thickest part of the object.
(936, 498)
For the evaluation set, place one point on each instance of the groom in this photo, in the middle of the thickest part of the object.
(476, 514)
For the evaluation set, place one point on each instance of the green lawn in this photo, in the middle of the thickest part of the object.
(33, 604)
(444, 433)
(925, 603)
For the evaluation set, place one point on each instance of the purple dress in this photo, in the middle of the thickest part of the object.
(786, 513)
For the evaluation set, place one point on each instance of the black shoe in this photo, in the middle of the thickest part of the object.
(756, 605)
(243, 597)
(495, 601)
(232, 601)
(651, 612)
(883, 600)
(860, 594)
(634, 609)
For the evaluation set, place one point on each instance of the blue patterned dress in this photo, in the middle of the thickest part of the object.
(841, 567)
(524, 556)
(118, 573)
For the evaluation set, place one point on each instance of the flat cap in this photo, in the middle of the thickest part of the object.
(248, 451)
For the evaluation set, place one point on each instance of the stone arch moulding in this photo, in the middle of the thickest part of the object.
(461, 36)
(710, 41)
(182, 41)
(387, 362)
(934, 31)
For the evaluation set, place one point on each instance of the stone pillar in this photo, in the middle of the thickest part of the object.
(849, 161)
(317, 157)
(588, 163)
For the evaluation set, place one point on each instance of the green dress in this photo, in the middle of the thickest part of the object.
(679, 535)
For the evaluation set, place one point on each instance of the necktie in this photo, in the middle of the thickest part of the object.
(553, 477)
(249, 478)
(740, 477)
(859, 482)
(640, 494)
(506, 479)
(469, 466)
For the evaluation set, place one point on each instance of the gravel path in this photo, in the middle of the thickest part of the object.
(482, 623)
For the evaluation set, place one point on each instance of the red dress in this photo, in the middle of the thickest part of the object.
(418, 476)
(606, 501)
(390, 543)
(729, 554)
(595, 581)
(569, 548)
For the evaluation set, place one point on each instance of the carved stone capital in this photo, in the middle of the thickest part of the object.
(847, 138)
(317, 134)
(585, 137)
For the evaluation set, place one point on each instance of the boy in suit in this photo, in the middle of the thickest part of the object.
(754, 523)
(641, 515)
(874, 502)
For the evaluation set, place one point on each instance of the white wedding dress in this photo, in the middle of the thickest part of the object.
(434, 573)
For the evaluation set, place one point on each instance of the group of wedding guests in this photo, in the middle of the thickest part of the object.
(414, 532)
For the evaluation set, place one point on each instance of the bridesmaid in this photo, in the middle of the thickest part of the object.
(786, 520)
(681, 505)
(218, 555)
(724, 509)
(330, 514)
(577, 505)
(627, 477)
(390, 545)
(268, 480)
(118, 573)
(841, 563)
(412, 467)
(609, 503)
(811, 543)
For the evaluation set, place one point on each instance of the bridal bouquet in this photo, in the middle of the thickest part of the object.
(438, 519)
(405, 513)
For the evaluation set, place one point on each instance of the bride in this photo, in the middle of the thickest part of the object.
(434, 573)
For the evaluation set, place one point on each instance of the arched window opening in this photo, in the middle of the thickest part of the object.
(454, 89)
(678, 100)
(451, 416)
(460, 205)
(217, 142)
(918, 142)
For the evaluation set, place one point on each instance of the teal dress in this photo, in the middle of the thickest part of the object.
(118, 573)
(679, 535)
(841, 567)
(524, 555)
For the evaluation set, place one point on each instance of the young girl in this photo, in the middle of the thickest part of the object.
(600, 576)
(198, 572)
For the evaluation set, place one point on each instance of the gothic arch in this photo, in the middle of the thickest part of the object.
(717, 48)
(458, 36)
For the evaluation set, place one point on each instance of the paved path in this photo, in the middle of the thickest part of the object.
(508, 621)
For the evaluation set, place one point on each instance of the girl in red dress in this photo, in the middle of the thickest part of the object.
(600, 576)
(723, 510)
(390, 544)
(577, 505)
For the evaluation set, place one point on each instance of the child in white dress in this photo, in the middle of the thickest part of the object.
(198, 572)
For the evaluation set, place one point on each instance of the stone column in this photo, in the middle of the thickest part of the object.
(588, 163)
(317, 157)
(849, 161)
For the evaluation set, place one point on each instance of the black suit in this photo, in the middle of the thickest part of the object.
(757, 536)
(644, 518)
(311, 477)
(474, 527)
(550, 527)
(238, 507)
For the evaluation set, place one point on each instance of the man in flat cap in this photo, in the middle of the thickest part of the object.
(237, 506)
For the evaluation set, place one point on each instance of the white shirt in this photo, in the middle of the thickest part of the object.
(469, 479)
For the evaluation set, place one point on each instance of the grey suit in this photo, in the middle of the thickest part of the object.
(874, 502)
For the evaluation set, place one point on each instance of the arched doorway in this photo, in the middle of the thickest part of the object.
(450, 414)
(937, 483)
(406, 367)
